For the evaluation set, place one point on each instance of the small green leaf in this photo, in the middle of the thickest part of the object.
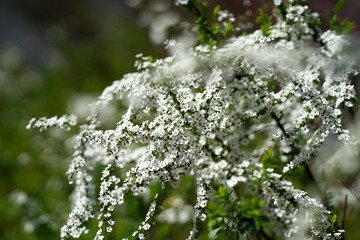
(342, 27)
(216, 11)
(265, 21)
(339, 6)
(151, 59)
(266, 157)
(333, 219)
(228, 28)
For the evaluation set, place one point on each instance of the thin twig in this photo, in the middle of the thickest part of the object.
(344, 212)
(356, 195)
(265, 235)
(313, 180)
(307, 168)
(279, 124)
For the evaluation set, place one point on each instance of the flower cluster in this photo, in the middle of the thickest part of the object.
(199, 113)
(64, 122)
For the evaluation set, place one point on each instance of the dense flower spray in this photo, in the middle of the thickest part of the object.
(201, 111)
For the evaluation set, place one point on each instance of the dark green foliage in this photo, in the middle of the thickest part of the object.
(341, 26)
(210, 31)
(339, 7)
(232, 215)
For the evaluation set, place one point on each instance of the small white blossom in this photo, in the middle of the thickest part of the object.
(64, 122)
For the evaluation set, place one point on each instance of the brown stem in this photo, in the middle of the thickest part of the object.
(313, 180)
(344, 214)
(279, 124)
(352, 113)
(307, 168)
(355, 194)
(265, 235)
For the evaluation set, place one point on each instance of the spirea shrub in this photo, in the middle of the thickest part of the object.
(239, 114)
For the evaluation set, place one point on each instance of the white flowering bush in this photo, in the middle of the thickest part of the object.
(239, 114)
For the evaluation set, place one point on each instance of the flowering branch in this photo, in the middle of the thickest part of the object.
(209, 113)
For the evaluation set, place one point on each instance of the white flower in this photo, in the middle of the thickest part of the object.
(235, 180)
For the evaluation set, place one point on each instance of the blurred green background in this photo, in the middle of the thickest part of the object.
(55, 58)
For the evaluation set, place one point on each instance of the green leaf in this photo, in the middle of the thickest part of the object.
(265, 21)
(151, 59)
(228, 28)
(342, 27)
(266, 158)
(216, 11)
(339, 6)
(333, 219)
